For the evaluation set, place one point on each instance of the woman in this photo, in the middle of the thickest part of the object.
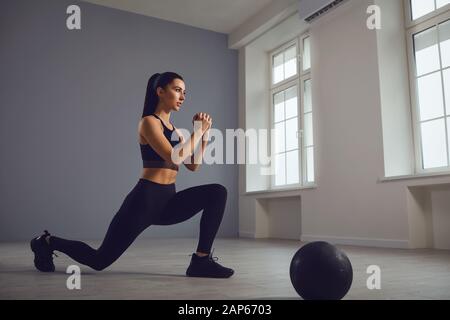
(154, 199)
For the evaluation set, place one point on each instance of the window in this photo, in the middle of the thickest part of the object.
(307, 108)
(291, 114)
(285, 120)
(429, 55)
(285, 64)
(420, 8)
(308, 149)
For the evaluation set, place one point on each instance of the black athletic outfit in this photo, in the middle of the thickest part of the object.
(150, 203)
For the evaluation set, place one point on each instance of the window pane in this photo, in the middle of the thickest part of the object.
(291, 134)
(306, 54)
(434, 144)
(308, 130)
(278, 72)
(280, 169)
(427, 54)
(448, 134)
(290, 66)
(307, 99)
(292, 167)
(447, 90)
(279, 137)
(421, 8)
(291, 102)
(310, 164)
(444, 38)
(441, 3)
(430, 96)
(278, 109)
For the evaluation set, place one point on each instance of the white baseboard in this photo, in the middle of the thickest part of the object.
(363, 242)
(246, 234)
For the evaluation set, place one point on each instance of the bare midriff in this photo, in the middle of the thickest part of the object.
(158, 175)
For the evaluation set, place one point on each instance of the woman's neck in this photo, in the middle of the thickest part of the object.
(165, 116)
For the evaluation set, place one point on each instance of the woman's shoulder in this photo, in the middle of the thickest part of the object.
(150, 118)
(151, 121)
(146, 123)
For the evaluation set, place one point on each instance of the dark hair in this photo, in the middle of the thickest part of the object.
(155, 81)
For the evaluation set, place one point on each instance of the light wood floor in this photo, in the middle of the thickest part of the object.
(155, 269)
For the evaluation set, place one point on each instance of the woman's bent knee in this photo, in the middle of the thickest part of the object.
(219, 190)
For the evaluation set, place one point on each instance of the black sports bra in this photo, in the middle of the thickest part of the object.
(150, 158)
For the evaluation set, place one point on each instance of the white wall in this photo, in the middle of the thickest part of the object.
(429, 216)
(440, 205)
(257, 95)
(283, 217)
(350, 65)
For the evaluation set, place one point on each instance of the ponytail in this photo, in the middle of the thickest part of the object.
(155, 81)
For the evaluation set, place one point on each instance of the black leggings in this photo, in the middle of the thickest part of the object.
(151, 203)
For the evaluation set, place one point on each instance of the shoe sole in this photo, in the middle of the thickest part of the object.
(198, 275)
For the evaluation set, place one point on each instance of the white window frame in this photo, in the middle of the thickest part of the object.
(302, 38)
(303, 143)
(273, 91)
(272, 54)
(305, 75)
(298, 81)
(413, 27)
(408, 14)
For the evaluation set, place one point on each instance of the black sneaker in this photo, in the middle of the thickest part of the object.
(207, 267)
(43, 255)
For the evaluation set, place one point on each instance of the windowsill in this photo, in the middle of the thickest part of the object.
(415, 176)
(274, 193)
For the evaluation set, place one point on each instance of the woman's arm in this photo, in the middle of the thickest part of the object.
(197, 157)
(153, 134)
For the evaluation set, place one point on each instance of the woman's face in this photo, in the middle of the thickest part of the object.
(173, 95)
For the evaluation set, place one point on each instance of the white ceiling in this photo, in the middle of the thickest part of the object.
(222, 16)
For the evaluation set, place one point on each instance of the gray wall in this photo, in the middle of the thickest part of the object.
(70, 105)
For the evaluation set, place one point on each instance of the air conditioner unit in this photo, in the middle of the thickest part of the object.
(310, 10)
